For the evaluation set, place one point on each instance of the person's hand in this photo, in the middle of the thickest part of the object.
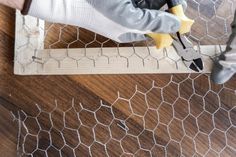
(119, 20)
(225, 65)
(154, 4)
(16, 4)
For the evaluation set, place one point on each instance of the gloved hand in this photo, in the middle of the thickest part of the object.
(225, 66)
(120, 20)
(154, 4)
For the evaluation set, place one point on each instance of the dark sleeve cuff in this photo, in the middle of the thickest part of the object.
(26, 7)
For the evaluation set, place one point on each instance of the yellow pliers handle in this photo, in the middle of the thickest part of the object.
(165, 40)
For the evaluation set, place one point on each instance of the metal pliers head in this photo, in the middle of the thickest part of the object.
(184, 48)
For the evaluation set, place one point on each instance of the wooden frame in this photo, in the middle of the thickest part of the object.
(32, 59)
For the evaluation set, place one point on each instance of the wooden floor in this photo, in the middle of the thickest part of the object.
(162, 114)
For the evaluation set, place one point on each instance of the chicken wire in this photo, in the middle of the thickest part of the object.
(200, 122)
(71, 50)
(41, 135)
(212, 26)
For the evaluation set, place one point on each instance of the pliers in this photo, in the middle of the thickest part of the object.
(184, 48)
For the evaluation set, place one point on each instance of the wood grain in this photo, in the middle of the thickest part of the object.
(8, 133)
(22, 93)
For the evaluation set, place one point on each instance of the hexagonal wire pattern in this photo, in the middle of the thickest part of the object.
(212, 26)
(165, 129)
(200, 123)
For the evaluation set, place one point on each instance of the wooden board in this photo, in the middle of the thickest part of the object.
(21, 93)
(32, 59)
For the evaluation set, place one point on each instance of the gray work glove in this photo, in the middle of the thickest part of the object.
(225, 66)
(120, 20)
(154, 4)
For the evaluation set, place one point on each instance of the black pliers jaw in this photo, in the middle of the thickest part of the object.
(184, 48)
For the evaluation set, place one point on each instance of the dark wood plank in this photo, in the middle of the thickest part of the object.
(22, 93)
(8, 133)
